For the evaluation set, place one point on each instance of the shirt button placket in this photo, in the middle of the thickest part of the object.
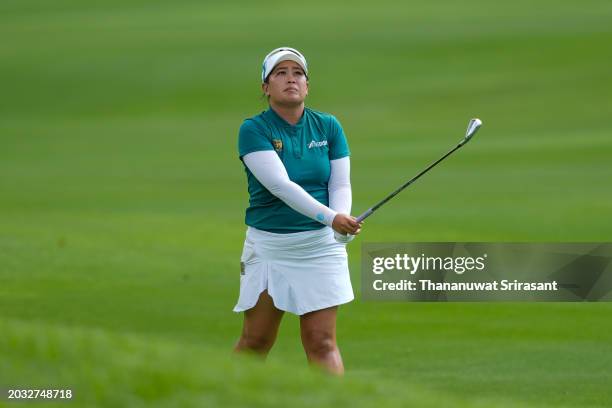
(295, 140)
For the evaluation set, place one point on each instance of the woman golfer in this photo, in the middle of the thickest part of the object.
(294, 257)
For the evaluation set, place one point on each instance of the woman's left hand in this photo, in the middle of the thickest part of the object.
(346, 224)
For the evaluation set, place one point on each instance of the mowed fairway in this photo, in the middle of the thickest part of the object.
(122, 198)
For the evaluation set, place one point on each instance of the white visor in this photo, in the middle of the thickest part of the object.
(282, 54)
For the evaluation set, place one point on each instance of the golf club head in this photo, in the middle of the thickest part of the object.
(472, 128)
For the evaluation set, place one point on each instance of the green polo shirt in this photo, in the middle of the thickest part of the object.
(305, 149)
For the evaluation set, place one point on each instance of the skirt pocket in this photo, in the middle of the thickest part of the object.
(247, 257)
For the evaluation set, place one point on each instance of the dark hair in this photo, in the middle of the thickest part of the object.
(263, 95)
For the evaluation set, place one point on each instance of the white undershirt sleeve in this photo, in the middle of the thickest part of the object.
(269, 170)
(340, 196)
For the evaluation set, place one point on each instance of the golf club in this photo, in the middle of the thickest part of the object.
(472, 128)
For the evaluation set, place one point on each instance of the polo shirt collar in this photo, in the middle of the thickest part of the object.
(271, 113)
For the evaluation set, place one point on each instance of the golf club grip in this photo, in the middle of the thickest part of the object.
(365, 215)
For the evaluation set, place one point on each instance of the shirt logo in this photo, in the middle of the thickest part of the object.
(278, 144)
(317, 144)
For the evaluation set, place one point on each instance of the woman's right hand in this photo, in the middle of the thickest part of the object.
(346, 224)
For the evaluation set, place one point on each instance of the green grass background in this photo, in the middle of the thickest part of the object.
(122, 199)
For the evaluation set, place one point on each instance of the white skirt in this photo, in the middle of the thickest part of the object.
(302, 271)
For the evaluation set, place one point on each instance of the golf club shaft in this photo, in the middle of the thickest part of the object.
(371, 210)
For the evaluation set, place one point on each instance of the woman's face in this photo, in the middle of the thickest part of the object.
(287, 84)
